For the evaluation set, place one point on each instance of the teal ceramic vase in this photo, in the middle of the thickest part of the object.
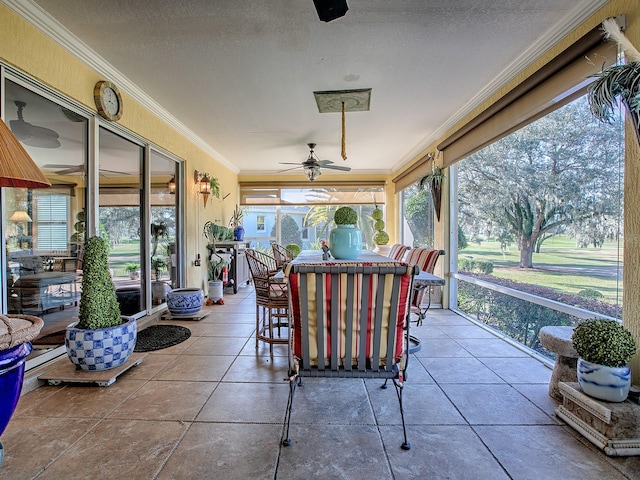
(345, 242)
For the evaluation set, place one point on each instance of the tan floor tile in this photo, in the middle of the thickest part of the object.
(246, 403)
(32, 443)
(133, 449)
(196, 368)
(225, 451)
(217, 346)
(164, 400)
(153, 363)
(85, 401)
(258, 369)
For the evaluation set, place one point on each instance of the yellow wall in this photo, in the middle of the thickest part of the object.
(26, 48)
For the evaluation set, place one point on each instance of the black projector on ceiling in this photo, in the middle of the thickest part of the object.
(330, 9)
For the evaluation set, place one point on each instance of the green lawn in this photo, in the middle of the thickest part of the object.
(560, 265)
(121, 254)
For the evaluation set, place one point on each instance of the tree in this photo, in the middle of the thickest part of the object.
(419, 215)
(289, 231)
(553, 176)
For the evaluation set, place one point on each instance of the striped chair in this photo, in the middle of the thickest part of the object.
(397, 252)
(349, 320)
(425, 259)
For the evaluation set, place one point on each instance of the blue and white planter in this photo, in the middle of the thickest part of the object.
(610, 384)
(185, 301)
(101, 349)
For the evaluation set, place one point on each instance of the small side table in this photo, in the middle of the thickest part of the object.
(558, 340)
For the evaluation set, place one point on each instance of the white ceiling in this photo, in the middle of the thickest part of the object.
(238, 76)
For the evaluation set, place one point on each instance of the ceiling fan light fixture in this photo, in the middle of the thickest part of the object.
(312, 172)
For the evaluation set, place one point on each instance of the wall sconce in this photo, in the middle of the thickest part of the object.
(203, 181)
(172, 185)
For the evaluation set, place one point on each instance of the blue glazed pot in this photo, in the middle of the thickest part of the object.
(103, 348)
(345, 242)
(606, 383)
(185, 301)
(11, 375)
(238, 233)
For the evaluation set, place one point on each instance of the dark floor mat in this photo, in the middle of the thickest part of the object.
(157, 337)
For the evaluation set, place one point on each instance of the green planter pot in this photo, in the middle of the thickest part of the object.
(345, 242)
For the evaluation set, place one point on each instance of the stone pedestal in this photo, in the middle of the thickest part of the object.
(612, 427)
(557, 339)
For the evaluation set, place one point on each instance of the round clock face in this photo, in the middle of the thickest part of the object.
(108, 100)
(111, 102)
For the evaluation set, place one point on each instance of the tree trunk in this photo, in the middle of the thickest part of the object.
(526, 252)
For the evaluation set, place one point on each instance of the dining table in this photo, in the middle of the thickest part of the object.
(421, 281)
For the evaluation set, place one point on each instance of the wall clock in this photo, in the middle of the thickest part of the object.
(108, 100)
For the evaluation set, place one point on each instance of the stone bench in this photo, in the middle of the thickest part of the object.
(558, 340)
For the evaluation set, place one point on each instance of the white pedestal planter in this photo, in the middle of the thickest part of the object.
(216, 288)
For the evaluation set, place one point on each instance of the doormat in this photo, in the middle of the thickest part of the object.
(55, 338)
(157, 337)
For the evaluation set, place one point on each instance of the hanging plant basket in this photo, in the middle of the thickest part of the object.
(433, 182)
(617, 82)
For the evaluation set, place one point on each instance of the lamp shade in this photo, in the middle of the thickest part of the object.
(20, 216)
(17, 169)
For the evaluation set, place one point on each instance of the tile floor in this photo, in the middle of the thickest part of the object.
(213, 408)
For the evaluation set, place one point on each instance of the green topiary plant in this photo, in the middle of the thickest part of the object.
(380, 237)
(99, 307)
(345, 216)
(293, 248)
(605, 342)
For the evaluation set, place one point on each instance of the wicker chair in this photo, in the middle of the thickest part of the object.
(426, 260)
(364, 340)
(397, 252)
(272, 303)
(281, 255)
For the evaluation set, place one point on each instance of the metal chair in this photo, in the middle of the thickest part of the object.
(361, 312)
(272, 304)
(426, 260)
(281, 255)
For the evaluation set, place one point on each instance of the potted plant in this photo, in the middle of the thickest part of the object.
(345, 241)
(236, 223)
(218, 268)
(433, 182)
(380, 238)
(216, 233)
(604, 349)
(101, 339)
(617, 82)
(16, 333)
(133, 269)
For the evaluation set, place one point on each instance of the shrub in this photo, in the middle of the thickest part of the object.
(99, 306)
(345, 216)
(605, 342)
(590, 293)
(293, 248)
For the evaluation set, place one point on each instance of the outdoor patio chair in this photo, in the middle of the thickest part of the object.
(349, 320)
(426, 260)
(281, 255)
(397, 252)
(272, 304)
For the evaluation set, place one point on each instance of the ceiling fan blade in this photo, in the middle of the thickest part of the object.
(337, 167)
(289, 163)
(289, 169)
(324, 162)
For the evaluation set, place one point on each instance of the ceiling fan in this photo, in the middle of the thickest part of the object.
(312, 165)
(33, 135)
(72, 169)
